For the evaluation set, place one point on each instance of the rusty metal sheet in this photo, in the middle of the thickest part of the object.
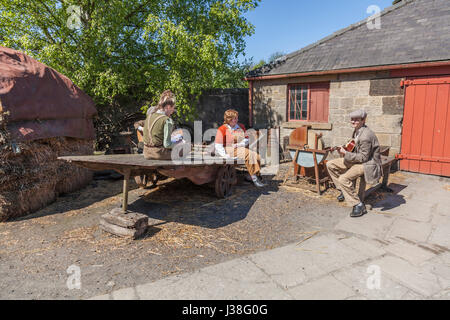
(33, 130)
(33, 92)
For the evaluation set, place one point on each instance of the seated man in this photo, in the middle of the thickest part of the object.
(231, 142)
(364, 160)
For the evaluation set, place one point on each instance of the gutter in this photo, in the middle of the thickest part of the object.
(353, 70)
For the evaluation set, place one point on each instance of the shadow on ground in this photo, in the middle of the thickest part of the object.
(388, 200)
(186, 203)
(96, 192)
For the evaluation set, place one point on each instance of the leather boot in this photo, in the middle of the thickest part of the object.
(259, 184)
(341, 197)
(358, 210)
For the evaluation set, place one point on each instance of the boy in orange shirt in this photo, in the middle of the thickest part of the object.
(231, 141)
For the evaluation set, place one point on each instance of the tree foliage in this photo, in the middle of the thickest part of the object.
(274, 56)
(123, 52)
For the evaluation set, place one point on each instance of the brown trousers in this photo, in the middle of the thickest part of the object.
(251, 158)
(344, 175)
(157, 153)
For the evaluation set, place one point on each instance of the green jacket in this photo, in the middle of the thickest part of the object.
(161, 131)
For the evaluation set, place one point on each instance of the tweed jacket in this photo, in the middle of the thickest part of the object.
(367, 152)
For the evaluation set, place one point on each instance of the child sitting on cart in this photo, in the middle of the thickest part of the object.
(158, 127)
(231, 141)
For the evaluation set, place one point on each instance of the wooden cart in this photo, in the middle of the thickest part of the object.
(199, 170)
(206, 169)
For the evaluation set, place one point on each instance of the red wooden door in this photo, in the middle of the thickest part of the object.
(320, 98)
(425, 144)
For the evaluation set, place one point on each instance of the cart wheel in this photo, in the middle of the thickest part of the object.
(233, 175)
(144, 179)
(141, 180)
(223, 182)
(153, 178)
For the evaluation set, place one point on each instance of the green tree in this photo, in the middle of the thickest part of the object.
(127, 52)
(274, 56)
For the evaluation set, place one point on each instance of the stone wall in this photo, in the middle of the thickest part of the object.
(213, 103)
(375, 92)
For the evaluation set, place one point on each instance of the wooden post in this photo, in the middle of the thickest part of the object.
(316, 172)
(386, 170)
(126, 177)
(316, 168)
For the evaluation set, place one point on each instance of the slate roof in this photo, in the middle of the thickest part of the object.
(411, 31)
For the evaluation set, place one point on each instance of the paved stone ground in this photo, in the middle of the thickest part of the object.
(399, 250)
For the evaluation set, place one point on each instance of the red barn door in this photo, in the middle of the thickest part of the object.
(425, 144)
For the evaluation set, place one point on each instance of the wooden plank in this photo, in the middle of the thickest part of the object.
(440, 131)
(428, 128)
(138, 161)
(408, 115)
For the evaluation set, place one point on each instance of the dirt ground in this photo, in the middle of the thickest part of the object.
(189, 228)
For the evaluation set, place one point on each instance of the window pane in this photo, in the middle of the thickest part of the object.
(292, 104)
(298, 110)
(298, 102)
(299, 94)
(305, 93)
(304, 110)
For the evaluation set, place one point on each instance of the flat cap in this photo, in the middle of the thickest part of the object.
(358, 114)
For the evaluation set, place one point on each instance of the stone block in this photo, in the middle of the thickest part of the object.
(337, 112)
(335, 85)
(375, 101)
(410, 230)
(124, 294)
(346, 103)
(441, 233)
(293, 265)
(415, 278)
(102, 297)
(386, 124)
(349, 84)
(393, 105)
(358, 278)
(333, 104)
(327, 288)
(367, 247)
(371, 225)
(337, 93)
(412, 209)
(411, 295)
(396, 140)
(231, 280)
(409, 252)
(361, 101)
(385, 87)
(384, 139)
(363, 90)
(440, 269)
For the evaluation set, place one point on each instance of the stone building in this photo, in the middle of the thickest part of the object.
(368, 65)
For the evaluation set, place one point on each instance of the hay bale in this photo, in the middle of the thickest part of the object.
(33, 178)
